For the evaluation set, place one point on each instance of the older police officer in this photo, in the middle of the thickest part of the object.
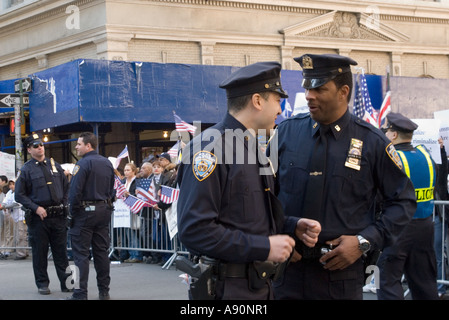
(42, 188)
(331, 167)
(90, 198)
(227, 212)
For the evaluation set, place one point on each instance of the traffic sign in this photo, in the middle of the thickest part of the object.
(26, 85)
(9, 99)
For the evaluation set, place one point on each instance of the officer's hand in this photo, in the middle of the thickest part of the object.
(308, 230)
(41, 212)
(281, 247)
(346, 253)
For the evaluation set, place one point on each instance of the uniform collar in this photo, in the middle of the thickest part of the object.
(90, 153)
(336, 127)
(232, 123)
(405, 146)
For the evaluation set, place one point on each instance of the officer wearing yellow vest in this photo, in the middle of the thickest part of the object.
(413, 253)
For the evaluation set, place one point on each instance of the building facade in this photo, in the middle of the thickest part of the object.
(404, 38)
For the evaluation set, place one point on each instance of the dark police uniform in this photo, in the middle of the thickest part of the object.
(33, 190)
(413, 254)
(226, 208)
(360, 162)
(91, 196)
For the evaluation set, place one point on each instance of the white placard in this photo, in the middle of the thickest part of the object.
(427, 134)
(172, 219)
(443, 117)
(122, 217)
(8, 165)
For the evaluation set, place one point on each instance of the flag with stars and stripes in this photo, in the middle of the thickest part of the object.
(362, 103)
(135, 204)
(181, 125)
(145, 190)
(119, 187)
(168, 195)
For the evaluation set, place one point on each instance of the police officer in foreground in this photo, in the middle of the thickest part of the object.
(228, 216)
(331, 167)
(91, 196)
(413, 254)
(42, 189)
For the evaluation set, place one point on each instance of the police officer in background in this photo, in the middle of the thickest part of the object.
(91, 196)
(331, 167)
(413, 254)
(227, 212)
(42, 189)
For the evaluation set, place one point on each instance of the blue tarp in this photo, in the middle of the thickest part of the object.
(118, 91)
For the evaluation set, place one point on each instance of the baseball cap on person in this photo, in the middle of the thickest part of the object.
(164, 155)
(318, 69)
(32, 139)
(254, 78)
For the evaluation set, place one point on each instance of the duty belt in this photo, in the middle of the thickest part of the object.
(54, 211)
(264, 269)
(313, 253)
(93, 202)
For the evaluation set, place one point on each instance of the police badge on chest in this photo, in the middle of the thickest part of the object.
(354, 158)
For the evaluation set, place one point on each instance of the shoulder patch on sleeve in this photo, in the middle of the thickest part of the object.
(75, 170)
(393, 154)
(203, 164)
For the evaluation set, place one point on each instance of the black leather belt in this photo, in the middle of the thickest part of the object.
(313, 253)
(93, 202)
(54, 211)
(234, 270)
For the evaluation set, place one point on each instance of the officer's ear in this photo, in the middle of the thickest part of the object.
(343, 93)
(256, 100)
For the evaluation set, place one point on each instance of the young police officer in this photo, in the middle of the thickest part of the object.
(413, 253)
(227, 213)
(331, 167)
(90, 198)
(42, 188)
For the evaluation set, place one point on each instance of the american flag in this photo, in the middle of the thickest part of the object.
(145, 190)
(119, 187)
(183, 126)
(168, 195)
(122, 155)
(173, 152)
(135, 204)
(386, 104)
(362, 102)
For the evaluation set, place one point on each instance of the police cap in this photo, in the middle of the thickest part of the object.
(399, 122)
(255, 78)
(31, 139)
(320, 69)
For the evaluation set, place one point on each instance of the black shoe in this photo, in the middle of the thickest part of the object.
(44, 290)
(104, 296)
(20, 257)
(66, 290)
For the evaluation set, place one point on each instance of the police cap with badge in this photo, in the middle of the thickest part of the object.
(254, 78)
(320, 69)
(399, 122)
(33, 140)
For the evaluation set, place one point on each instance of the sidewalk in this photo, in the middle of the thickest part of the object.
(129, 281)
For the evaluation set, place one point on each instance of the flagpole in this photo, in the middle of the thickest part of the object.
(179, 139)
(129, 160)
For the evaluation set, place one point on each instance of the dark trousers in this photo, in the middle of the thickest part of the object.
(412, 255)
(42, 234)
(308, 280)
(91, 229)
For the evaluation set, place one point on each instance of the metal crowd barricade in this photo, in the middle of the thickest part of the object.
(148, 232)
(444, 241)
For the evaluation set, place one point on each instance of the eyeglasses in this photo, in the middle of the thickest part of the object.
(37, 145)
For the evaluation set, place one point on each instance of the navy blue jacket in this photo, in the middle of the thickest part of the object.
(349, 195)
(31, 188)
(223, 207)
(93, 180)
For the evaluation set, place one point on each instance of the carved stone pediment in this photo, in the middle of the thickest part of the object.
(345, 25)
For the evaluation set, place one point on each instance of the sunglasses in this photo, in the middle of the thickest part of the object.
(37, 145)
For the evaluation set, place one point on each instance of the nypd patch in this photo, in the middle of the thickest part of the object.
(393, 154)
(75, 170)
(204, 163)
